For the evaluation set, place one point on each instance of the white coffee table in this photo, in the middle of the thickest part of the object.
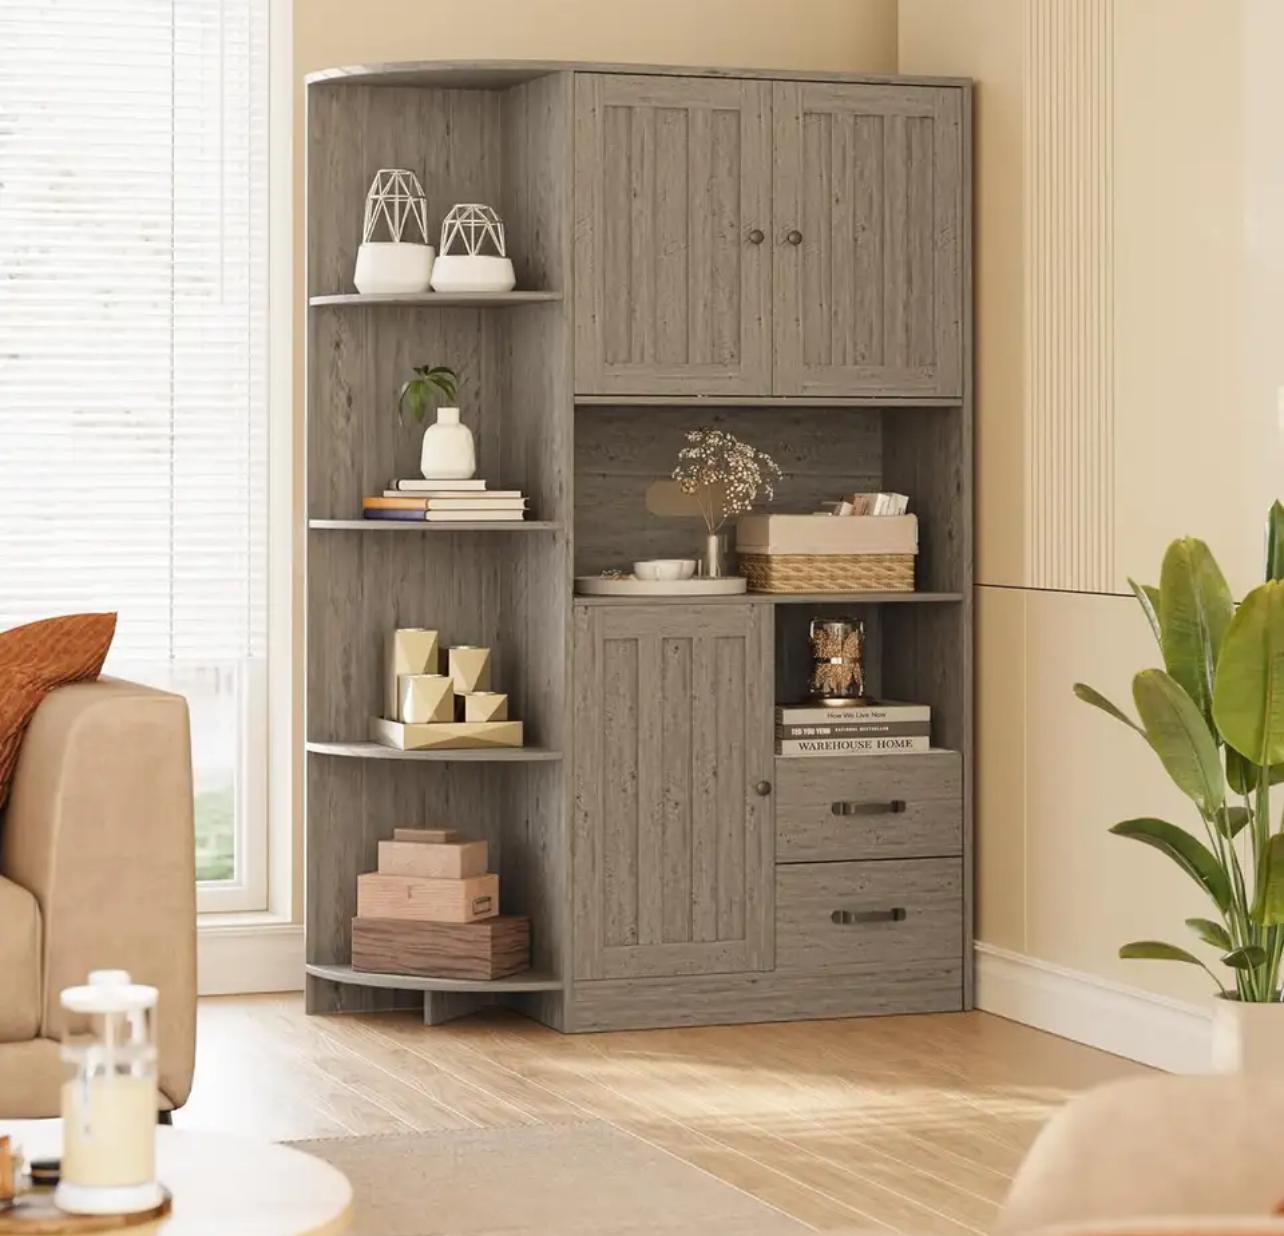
(224, 1184)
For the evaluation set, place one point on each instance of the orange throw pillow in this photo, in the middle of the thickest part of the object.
(36, 658)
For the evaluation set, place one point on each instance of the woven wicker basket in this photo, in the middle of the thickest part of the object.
(828, 572)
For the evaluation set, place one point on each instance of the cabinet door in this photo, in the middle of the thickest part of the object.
(868, 240)
(672, 219)
(673, 863)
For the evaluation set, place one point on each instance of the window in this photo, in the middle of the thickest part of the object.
(134, 278)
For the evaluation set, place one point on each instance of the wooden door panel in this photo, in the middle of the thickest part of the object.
(870, 299)
(673, 846)
(672, 176)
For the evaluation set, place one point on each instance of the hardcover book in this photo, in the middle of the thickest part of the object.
(858, 729)
(875, 710)
(852, 746)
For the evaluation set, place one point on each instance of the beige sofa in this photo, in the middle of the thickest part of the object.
(97, 870)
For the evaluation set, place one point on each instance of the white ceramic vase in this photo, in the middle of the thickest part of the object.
(448, 451)
(1248, 1038)
(460, 272)
(393, 267)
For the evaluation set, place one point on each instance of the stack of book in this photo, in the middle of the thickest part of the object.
(879, 727)
(445, 502)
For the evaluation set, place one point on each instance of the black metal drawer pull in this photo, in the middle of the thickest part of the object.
(849, 918)
(895, 807)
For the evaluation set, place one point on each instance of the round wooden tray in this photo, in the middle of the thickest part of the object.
(34, 1214)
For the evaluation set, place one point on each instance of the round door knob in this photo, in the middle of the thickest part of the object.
(756, 237)
(794, 237)
(763, 788)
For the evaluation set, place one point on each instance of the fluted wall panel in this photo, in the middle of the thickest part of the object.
(1069, 252)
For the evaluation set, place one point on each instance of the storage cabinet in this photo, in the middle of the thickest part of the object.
(868, 207)
(747, 238)
(673, 832)
(673, 212)
(832, 917)
(896, 806)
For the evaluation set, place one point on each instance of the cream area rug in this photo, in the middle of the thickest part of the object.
(571, 1179)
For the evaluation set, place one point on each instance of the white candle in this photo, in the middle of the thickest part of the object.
(109, 1131)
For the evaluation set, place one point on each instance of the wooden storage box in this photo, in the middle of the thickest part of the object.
(492, 949)
(444, 860)
(828, 553)
(434, 901)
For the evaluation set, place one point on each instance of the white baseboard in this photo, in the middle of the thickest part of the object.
(237, 960)
(1166, 1034)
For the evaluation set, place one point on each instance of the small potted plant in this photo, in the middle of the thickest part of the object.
(1214, 715)
(726, 477)
(448, 452)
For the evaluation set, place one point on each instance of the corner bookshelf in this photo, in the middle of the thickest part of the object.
(574, 401)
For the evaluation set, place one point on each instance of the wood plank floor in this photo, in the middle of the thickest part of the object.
(906, 1123)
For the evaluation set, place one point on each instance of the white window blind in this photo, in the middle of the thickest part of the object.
(134, 352)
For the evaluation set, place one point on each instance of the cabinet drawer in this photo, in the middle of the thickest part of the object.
(896, 806)
(844, 916)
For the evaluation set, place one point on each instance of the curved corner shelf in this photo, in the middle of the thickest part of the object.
(529, 980)
(423, 525)
(438, 300)
(377, 751)
(787, 598)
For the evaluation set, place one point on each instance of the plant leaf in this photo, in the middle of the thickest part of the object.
(1270, 911)
(1181, 738)
(1236, 818)
(1241, 774)
(1195, 608)
(1275, 541)
(1157, 950)
(1097, 700)
(1187, 851)
(1210, 932)
(1248, 700)
(1247, 958)
(1148, 598)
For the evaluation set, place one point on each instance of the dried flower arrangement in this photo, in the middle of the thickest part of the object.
(724, 475)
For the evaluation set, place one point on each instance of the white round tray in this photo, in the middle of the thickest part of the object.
(597, 586)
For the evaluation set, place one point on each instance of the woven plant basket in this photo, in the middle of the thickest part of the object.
(828, 572)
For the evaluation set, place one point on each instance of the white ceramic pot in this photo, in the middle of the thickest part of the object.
(448, 452)
(1248, 1038)
(392, 267)
(460, 272)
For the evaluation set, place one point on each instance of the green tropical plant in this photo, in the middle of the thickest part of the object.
(419, 394)
(1214, 715)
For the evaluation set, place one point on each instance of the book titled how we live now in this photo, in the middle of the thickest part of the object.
(878, 727)
(414, 499)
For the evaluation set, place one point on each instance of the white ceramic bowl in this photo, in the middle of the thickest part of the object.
(389, 267)
(665, 568)
(457, 272)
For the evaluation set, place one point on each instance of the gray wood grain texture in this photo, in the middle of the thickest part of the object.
(527, 980)
(795, 598)
(929, 825)
(870, 300)
(436, 300)
(498, 74)
(916, 985)
(927, 892)
(508, 593)
(672, 845)
(621, 452)
(672, 175)
(769, 401)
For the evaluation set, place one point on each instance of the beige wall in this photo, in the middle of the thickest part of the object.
(851, 35)
(1128, 375)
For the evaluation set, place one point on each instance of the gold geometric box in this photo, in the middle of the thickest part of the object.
(485, 706)
(407, 650)
(470, 668)
(445, 736)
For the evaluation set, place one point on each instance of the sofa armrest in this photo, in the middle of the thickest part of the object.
(99, 827)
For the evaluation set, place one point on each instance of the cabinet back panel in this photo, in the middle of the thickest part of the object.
(621, 452)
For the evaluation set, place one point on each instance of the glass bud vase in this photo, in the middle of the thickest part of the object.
(716, 561)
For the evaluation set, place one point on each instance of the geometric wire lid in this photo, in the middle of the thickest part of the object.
(395, 199)
(470, 226)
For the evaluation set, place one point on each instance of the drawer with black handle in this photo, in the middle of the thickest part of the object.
(840, 916)
(869, 806)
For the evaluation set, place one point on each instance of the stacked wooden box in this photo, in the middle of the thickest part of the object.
(425, 709)
(432, 910)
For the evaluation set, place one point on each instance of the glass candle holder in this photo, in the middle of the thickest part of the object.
(837, 660)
